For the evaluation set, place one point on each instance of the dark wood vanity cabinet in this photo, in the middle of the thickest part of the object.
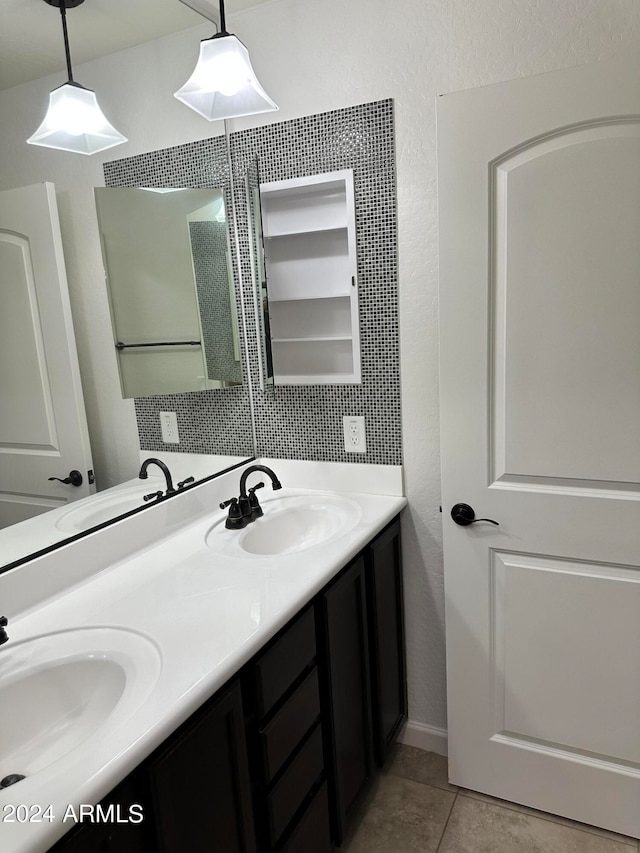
(325, 701)
(193, 792)
(363, 670)
(199, 784)
(385, 608)
(343, 636)
(116, 834)
(284, 732)
(278, 759)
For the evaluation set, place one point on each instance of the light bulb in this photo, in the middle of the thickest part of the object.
(74, 117)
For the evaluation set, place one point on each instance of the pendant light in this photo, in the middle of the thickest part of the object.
(74, 121)
(223, 84)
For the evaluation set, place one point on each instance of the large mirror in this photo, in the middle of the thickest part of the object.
(168, 272)
(170, 287)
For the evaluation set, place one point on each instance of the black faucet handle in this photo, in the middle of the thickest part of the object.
(236, 519)
(153, 495)
(3, 634)
(3, 621)
(254, 504)
(184, 483)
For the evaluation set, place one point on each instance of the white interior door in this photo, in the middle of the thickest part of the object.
(539, 187)
(43, 428)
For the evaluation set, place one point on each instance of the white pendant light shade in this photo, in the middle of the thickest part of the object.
(75, 122)
(223, 84)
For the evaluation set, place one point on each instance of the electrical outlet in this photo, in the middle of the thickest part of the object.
(355, 439)
(169, 427)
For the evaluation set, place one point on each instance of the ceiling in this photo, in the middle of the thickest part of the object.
(31, 44)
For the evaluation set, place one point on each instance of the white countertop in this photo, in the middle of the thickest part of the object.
(48, 528)
(206, 615)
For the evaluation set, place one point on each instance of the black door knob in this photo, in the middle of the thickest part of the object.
(464, 515)
(74, 479)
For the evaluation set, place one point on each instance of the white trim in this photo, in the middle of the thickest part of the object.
(422, 736)
(338, 476)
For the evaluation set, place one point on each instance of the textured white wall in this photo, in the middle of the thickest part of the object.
(313, 57)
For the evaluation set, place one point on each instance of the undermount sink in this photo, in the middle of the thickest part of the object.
(290, 524)
(58, 690)
(100, 508)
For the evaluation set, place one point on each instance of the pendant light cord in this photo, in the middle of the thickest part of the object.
(223, 23)
(63, 14)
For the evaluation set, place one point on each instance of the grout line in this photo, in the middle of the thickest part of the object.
(444, 828)
(559, 820)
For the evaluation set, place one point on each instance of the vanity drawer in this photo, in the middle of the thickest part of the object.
(312, 834)
(277, 669)
(291, 790)
(284, 732)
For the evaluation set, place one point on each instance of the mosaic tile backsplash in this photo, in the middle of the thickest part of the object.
(216, 421)
(295, 422)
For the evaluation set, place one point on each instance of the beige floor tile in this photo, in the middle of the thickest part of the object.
(603, 833)
(420, 766)
(402, 817)
(476, 826)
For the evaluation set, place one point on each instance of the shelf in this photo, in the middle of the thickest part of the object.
(307, 207)
(319, 379)
(311, 266)
(310, 338)
(309, 298)
(304, 232)
(311, 318)
(313, 358)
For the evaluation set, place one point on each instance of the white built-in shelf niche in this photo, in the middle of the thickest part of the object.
(309, 233)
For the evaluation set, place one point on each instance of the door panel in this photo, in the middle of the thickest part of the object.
(26, 416)
(539, 203)
(548, 657)
(565, 212)
(43, 428)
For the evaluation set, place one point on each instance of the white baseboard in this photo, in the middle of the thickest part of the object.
(422, 736)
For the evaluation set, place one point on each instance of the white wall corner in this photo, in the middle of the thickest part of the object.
(422, 736)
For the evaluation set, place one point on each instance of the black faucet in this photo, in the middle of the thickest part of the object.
(3, 634)
(245, 509)
(167, 475)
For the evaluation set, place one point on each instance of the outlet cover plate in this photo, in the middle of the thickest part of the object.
(169, 427)
(355, 438)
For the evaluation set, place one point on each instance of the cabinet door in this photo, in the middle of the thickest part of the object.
(386, 638)
(123, 827)
(107, 838)
(346, 690)
(86, 839)
(200, 785)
